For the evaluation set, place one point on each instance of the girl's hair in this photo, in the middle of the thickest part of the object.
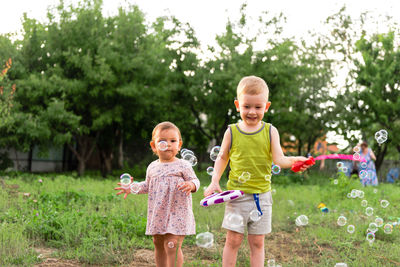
(165, 125)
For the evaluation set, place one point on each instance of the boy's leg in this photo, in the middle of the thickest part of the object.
(232, 244)
(159, 252)
(257, 253)
(173, 249)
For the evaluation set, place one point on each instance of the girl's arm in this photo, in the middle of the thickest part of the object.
(371, 153)
(191, 182)
(277, 154)
(220, 164)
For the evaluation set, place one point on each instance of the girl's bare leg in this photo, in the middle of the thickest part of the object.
(159, 251)
(173, 250)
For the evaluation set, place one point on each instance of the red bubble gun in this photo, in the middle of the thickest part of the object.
(299, 164)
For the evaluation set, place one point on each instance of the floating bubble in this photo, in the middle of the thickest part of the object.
(369, 211)
(351, 228)
(162, 145)
(183, 150)
(341, 221)
(349, 195)
(255, 215)
(276, 169)
(354, 193)
(363, 165)
(186, 151)
(364, 203)
(290, 202)
(234, 220)
(375, 191)
(273, 191)
(356, 156)
(241, 179)
(190, 158)
(135, 188)
(373, 227)
(271, 263)
(384, 203)
(214, 153)
(381, 136)
(388, 229)
(339, 165)
(244, 177)
(370, 237)
(340, 264)
(205, 240)
(210, 170)
(344, 169)
(361, 194)
(356, 149)
(379, 221)
(363, 174)
(268, 178)
(336, 181)
(302, 220)
(125, 180)
(171, 244)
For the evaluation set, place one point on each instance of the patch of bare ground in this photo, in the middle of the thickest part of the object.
(46, 255)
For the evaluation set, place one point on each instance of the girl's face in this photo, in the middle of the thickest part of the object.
(166, 144)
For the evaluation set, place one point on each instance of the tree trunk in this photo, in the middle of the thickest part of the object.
(380, 156)
(106, 157)
(81, 166)
(120, 150)
(85, 148)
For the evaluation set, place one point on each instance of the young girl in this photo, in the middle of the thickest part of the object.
(169, 182)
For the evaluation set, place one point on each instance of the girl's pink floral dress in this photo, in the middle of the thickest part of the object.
(169, 210)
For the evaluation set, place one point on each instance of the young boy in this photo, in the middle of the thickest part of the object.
(251, 146)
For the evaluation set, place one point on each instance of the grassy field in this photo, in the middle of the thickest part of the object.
(82, 219)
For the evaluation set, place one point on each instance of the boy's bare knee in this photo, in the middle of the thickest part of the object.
(234, 239)
(256, 241)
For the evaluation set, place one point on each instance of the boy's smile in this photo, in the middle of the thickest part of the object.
(252, 108)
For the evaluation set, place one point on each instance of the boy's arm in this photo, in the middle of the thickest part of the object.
(220, 164)
(277, 154)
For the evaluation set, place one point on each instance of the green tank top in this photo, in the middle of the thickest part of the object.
(250, 152)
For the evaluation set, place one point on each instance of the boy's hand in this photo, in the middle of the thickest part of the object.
(187, 187)
(211, 189)
(301, 164)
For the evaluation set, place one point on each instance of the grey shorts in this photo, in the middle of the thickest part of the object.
(243, 206)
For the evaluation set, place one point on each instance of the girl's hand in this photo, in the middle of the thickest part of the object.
(211, 189)
(186, 187)
(123, 190)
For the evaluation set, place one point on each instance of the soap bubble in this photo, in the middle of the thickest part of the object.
(344, 169)
(302, 220)
(190, 158)
(341, 221)
(384, 203)
(360, 194)
(210, 170)
(162, 145)
(356, 156)
(276, 169)
(336, 181)
(363, 174)
(291, 203)
(234, 220)
(244, 177)
(375, 191)
(171, 244)
(135, 188)
(379, 221)
(363, 165)
(125, 180)
(356, 149)
(340, 264)
(214, 153)
(186, 151)
(381, 136)
(388, 229)
(339, 165)
(364, 203)
(273, 191)
(351, 228)
(271, 263)
(354, 193)
(205, 240)
(255, 215)
(348, 195)
(370, 237)
(373, 227)
(183, 150)
(369, 211)
(268, 178)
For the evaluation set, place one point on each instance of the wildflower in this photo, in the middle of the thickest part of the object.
(40, 181)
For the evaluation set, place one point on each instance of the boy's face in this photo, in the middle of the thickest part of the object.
(252, 108)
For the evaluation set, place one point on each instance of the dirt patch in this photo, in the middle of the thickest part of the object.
(46, 255)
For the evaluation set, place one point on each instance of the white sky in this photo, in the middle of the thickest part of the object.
(209, 17)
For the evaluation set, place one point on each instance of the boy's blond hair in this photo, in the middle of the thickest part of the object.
(252, 85)
(165, 125)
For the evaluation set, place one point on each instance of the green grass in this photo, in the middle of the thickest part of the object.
(83, 219)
